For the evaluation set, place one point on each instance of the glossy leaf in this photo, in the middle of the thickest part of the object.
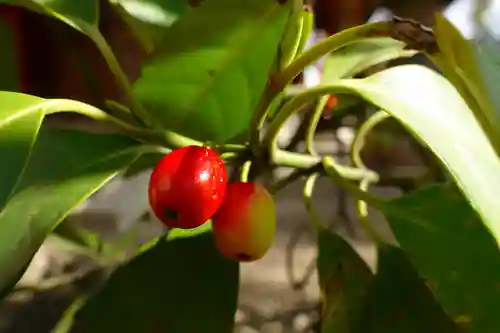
(179, 284)
(64, 168)
(361, 55)
(150, 19)
(431, 108)
(208, 75)
(400, 301)
(453, 251)
(344, 279)
(394, 300)
(488, 59)
(289, 46)
(469, 68)
(20, 119)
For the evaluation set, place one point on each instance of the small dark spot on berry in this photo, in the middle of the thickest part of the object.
(243, 256)
(282, 2)
(170, 214)
(307, 8)
(211, 73)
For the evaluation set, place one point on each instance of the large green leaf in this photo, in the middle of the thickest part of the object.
(181, 284)
(65, 167)
(290, 44)
(488, 59)
(344, 279)
(471, 69)
(400, 301)
(355, 300)
(431, 108)
(20, 118)
(453, 250)
(361, 55)
(208, 75)
(150, 19)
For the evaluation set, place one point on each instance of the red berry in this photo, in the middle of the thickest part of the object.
(245, 224)
(187, 187)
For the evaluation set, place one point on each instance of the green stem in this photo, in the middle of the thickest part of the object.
(245, 171)
(120, 75)
(307, 194)
(258, 120)
(364, 130)
(330, 44)
(335, 174)
(59, 105)
(362, 212)
(167, 139)
(293, 106)
(356, 147)
(280, 81)
(313, 124)
(303, 161)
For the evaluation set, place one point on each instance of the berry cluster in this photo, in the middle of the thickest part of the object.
(189, 186)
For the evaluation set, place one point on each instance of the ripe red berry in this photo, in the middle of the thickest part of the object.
(245, 224)
(187, 187)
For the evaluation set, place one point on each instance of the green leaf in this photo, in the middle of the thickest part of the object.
(488, 60)
(289, 46)
(180, 284)
(150, 19)
(468, 68)
(64, 168)
(452, 249)
(20, 119)
(208, 75)
(400, 301)
(431, 108)
(9, 80)
(355, 300)
(344, 279)
(361, 55)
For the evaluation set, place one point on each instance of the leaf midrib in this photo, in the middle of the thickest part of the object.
(238, 50)
(27, 111)
(27, 158)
